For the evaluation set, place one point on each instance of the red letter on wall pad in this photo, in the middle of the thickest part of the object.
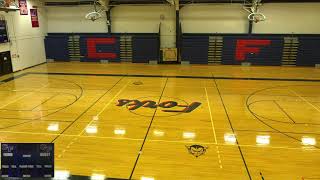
(244, 46)
(92, 48)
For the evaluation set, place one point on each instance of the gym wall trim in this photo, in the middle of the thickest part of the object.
(257, 49)
(93, 47)
(228, 49)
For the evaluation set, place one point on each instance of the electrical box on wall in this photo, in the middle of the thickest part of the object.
(5, 63)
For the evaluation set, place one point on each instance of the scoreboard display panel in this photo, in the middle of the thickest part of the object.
(3, 32)
(27, 160)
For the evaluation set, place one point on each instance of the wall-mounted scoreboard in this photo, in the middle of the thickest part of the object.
(3, 32)
(25, 160)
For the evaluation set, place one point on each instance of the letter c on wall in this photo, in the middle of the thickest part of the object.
(92, 48)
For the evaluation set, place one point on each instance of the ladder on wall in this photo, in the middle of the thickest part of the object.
(215, 49)
(126, 48)
(290, 51)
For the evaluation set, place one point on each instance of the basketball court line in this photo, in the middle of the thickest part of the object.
(305, 100)
(263, 122)
(43, 120)
(211, 118)
(226, 112)
(179, 77)
(17, 99)
(58, 108)
(200, 142)
(171, 86)
(155, 140)
(253, 102)
(55, 95)
(39, 118)
(25, 119)
(147, 133)
(316, 104)
(276, 132)
(43, 102)
(164, 76)
(72, 141)
(274, 120)
(104, 108)
(278, 105)
(88, 109)
(213, 129)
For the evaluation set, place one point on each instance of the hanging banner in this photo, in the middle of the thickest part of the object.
(23, 7)
(34, 17)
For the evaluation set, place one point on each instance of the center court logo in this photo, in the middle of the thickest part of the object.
(167, 107)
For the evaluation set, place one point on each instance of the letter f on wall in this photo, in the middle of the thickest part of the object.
(246, 46)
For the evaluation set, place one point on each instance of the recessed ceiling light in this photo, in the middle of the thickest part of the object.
(307, 141)
(95, 118)
(230, 138)
(91, 129)
(189, 135)
(158, 133)
(118, 131)
(53, 127)
(61, 175)
(146, 178)
(97, 177)
(263, 139)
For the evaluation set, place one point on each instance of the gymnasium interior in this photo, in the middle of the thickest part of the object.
(160, 89)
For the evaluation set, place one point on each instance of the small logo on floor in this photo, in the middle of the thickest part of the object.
(146, 107)
(197, 150)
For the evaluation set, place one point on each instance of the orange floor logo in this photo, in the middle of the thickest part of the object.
(168, 107)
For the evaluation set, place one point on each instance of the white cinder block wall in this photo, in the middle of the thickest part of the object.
(295, 18)
(125, 19)
(25, 41)
(282, 18)
(72, 19)
(146, 19)
(216, 18)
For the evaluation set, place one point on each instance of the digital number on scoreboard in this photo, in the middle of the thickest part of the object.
(24, 160)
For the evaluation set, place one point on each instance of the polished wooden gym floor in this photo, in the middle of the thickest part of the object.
(168, 122)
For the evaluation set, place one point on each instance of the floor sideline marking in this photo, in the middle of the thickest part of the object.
(210, 112)
(305, 100)
(231, 126)
(213, 129)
